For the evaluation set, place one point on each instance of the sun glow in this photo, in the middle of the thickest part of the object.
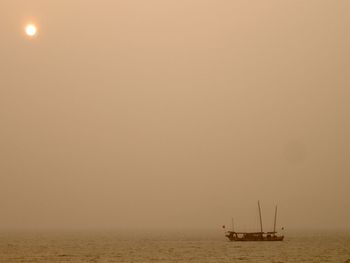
(31, 30)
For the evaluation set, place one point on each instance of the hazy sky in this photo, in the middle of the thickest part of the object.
(161, 113)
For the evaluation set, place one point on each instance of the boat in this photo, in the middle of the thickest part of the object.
(255, 236)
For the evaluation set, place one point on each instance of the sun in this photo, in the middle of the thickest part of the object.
(31, 30)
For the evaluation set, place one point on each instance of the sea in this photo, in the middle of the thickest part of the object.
(170, 246)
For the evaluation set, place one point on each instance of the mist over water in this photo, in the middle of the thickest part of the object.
(132, 131)
(174, 114)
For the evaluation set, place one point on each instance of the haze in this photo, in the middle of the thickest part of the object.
(174, 114)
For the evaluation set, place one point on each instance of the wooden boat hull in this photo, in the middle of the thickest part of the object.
(264, 239)
(233, 236)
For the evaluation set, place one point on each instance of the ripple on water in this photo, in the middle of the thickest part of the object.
(112, 248)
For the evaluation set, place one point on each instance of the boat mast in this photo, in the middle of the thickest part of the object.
(261, 228)
(274, 223)
(233, 228)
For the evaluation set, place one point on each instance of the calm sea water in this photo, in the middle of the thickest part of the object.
(170, 247)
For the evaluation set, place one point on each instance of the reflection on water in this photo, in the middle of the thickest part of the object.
(170, 247)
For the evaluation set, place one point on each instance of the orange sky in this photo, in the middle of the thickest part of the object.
(174, 113)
